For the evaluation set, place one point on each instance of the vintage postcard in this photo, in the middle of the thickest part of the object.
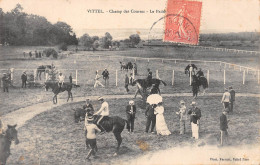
(140, 82)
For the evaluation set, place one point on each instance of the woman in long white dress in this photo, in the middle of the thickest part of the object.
(161, 126)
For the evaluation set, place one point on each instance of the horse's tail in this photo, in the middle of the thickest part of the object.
(127, 124)
(163, 82)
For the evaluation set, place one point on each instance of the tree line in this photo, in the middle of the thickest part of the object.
(20, 28)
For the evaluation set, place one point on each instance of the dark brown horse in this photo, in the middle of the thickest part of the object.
(40, 69)
(56, 89)
(113, 124)
(6, 141)
(197, 82)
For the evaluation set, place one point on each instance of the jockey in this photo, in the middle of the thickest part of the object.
(200, 73)
(61, 80)
(149, 77)
(103, 111)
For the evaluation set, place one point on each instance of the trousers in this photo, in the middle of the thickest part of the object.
(195, 130)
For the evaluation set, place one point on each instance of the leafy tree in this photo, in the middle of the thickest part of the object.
(107, 40)
(134, 39)
(86, 41)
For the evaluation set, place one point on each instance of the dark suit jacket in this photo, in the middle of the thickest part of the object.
(223, 122)
(128, 110)
(89, 109)
(196, 117)
(149, 111)
(232, 94)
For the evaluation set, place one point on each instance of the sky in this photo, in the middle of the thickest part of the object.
(218, 16)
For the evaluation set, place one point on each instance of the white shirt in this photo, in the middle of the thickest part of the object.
(104, 110)
(97, 77)
(91, 131)
(61, 78)
(226, 97)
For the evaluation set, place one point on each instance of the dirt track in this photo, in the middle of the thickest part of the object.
(22, 115)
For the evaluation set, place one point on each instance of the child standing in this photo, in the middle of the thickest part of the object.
(183, 117)
(92, 129)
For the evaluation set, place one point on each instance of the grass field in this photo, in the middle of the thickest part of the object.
(90, 63)
(53, 138)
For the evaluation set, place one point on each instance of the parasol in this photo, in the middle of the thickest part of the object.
(154, 99)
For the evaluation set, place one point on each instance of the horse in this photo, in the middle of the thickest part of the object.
(40, 69)
(113, 124)
(197, 82)
(128, 66)
(79, 114)
(56, 89)
(142, 84)
(187, 69)
(6, 141)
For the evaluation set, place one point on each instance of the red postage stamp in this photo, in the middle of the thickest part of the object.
(182, 21)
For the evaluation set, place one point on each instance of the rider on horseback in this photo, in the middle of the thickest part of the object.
(61, 80)
(103, 111)
(200, 74)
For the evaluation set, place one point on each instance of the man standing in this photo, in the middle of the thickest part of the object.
(91, 130)
(183, 117)
(149, 77)
(126, 83)
(135, 68)
(151, 118)
(89, 108)
(226, 99)
(130, 114)
(70, 78)
(195, 113)
(105, 74)
(5, 80)
(24, 79)
(223, 127)
(232, 98)
(103, 111)
(97, 82)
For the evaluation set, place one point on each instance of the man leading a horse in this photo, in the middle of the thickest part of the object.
(103, 111)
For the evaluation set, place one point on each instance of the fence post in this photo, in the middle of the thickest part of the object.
(190, 77)
(173, 77)
(224, 77)
(12, 76)
(46, 75)
(135, 59)
(76, 77)
(244, 73)
(157, 74)
(116, 77)
(208, 76)
(34, 75)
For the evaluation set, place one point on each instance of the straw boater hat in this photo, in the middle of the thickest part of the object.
(90, 118)
(131, 102)
(100, 98)
(193, 103)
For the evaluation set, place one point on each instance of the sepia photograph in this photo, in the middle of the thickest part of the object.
(140, 82)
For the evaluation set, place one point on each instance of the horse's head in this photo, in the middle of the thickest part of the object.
(11, 133)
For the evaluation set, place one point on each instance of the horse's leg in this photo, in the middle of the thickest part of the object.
(68, 96)
(119, 141)
(40, 75)
(55, 99)
(71, 96)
